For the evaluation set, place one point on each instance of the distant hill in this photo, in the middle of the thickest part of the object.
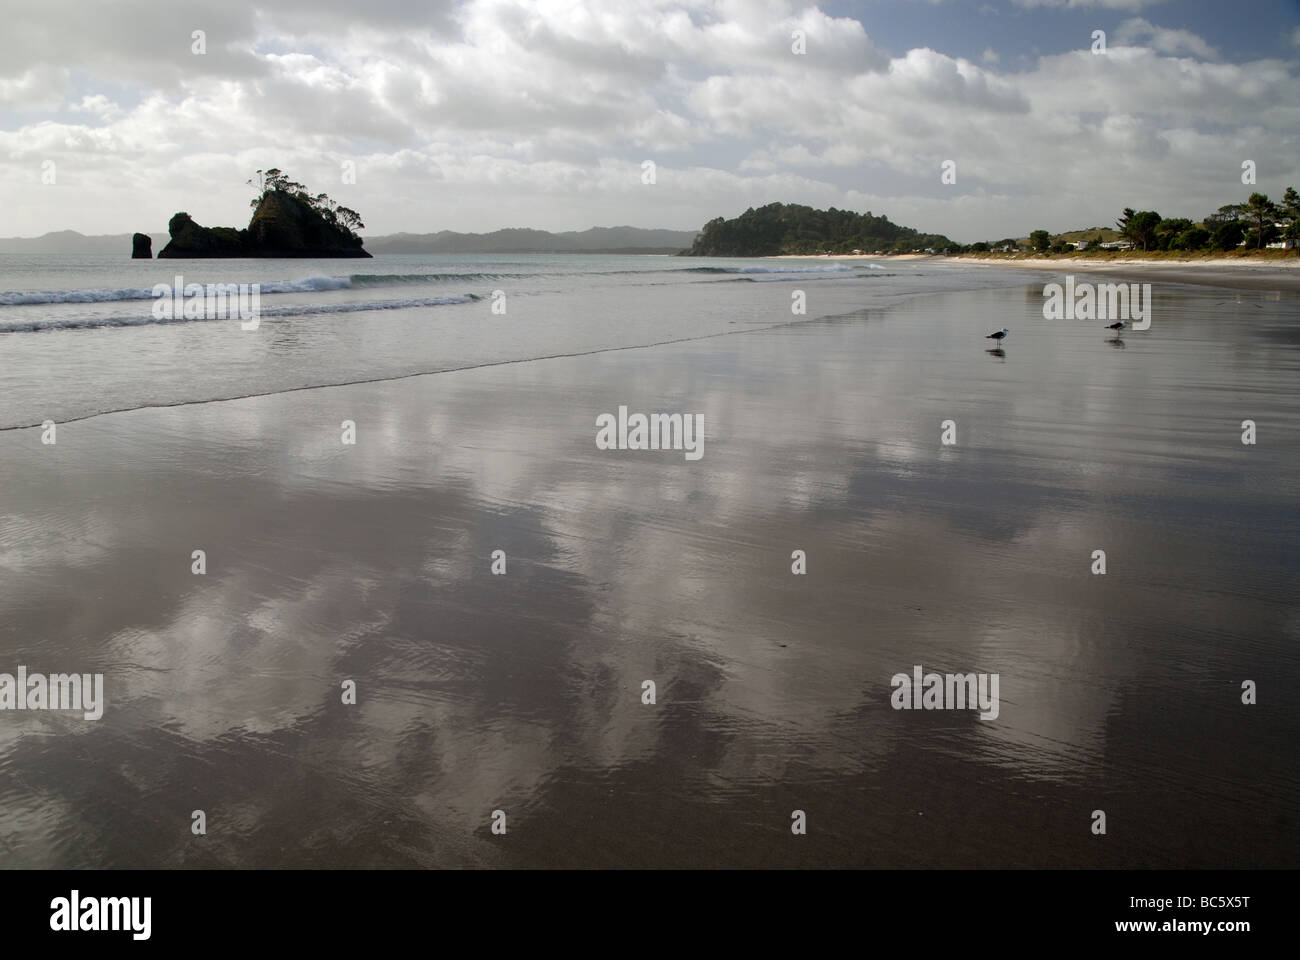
(1107, 234)
(521, 240)
(780, 229)
(631, 240)
(71, 242)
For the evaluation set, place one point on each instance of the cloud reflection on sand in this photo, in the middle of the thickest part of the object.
(522, 692)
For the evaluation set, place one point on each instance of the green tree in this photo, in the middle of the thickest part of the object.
(1139, 227)
(1260, 237)
(264, 180)
(350, 219)
(1291, 209)
(1228, 213)
(1261, 212)
(1193, 238)
(1168, 232)
(1228, 236)
(1040, 240)
(1291, 204)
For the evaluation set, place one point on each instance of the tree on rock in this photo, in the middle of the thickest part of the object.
(275, 180)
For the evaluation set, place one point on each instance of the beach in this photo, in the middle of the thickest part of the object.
(523, 691)
(1225, 272)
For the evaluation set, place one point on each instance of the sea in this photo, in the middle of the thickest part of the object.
(82, 335)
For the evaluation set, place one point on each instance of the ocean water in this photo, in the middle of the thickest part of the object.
(371, 563)
(79, 336)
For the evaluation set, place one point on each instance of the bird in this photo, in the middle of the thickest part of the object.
(1117, 326)
(999, 336)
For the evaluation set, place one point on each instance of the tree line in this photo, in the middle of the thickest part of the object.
(1256, 223)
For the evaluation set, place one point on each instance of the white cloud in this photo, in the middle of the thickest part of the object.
(1163, 40)
(501, 113)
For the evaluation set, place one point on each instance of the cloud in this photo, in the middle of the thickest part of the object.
(132, 41)
(495, 113)
(34, 88)
(1163, 40)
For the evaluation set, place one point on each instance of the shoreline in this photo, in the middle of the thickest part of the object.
(1237, 274)
(115, 401)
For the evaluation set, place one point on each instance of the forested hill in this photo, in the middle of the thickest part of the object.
(789, 228)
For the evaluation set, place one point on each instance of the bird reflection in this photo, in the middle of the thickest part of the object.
(1116, 342)
(997, 352)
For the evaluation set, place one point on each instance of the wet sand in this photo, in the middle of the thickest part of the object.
(523, 692)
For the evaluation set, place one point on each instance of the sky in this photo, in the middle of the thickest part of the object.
(475, 115)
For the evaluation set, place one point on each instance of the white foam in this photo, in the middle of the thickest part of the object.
(15, 298)
(820, 268)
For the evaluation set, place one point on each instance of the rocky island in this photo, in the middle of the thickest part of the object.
(287, 222)
(791, 229)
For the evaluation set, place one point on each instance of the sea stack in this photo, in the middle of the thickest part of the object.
(141, 247)
(285, 224)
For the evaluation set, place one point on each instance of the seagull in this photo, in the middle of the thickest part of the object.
(1117, 327)
(999, 336)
